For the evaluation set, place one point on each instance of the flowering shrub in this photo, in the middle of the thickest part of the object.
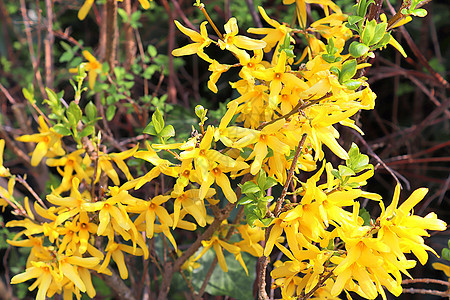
(104, 210)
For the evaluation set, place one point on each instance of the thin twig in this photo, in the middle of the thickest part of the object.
(426, 292)
(23, 182)
(298, 151)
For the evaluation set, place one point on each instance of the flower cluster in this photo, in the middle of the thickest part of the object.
(284, 115)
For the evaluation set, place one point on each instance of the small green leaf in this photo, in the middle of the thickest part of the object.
(110, 112)
(384, 41)
(150, 129)
(357, 161)
(419, 12)
(29, 95)
(261, 179)
(245, 200)
(364, 214)
(167, 132)
(72, 120)
(348, 70)
(88, 130)
(158, 121)
(249, 187)
(345, 171)
(354, 19)
(380, 30)
(270, 182)
(91, 111)
(336, 174)
(75, 110)
(123, 14)
(329, 58)
(335, 70)
(368, 32)
(61, 129)
(358, 49)
(152, 50)
(445, 254)
(52, 97)
(352, 84)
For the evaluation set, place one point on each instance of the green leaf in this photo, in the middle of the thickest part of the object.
(158, 121)
(384, 41)
(261, 179)
(270, 182)
(72, 120)
(167, 132)
(357, 161)
(88, 130)
(336, 174)
(329, 58)
(445, 254)
(348, 70)
(61, 129)
(368, 32)
(235, 283)
(123, 14)
(249, 187)
(352, 84)
(419, 12)
(364, 214)
(354, 19)
(110, 112)
(150, 129)
(245, 200)
(358, 49)
(345, 171)
(29, 95)
(152, 50)
(335, 70)
(75, 110)
(91, 111)
(380, 30)
(52, 97)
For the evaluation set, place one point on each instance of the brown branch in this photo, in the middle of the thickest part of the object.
(34, 61)
(48, 45)
(374, 11)
(111, 33)
(298, 151)
(118, 286)
(130, 45)
(171, 89)
(425, 280)
(416, 50)
(426, 292)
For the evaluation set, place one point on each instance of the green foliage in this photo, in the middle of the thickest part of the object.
(256, 200)
(232, 283)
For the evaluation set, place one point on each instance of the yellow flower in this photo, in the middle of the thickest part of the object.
(84, 10)
(273, 35)
(201, 41)
(93, 66)
(204, 157)
(218, 244)
(44, 274)
(48, 142)
(72, 162)
(277, 76)
(267, 137)
(442, 267)
(161, 166)
(4, 172)
(192, 204)
(217, 69)
(217, 174)
(148, 210)
(232, 41)
(115, 251)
